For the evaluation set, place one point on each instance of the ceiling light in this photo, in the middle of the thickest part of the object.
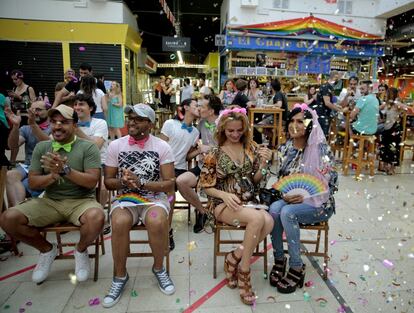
(410, 51)
(180, 57)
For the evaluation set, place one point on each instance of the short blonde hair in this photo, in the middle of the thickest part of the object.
(220, 134)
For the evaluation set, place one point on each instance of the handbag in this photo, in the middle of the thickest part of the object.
(268, 196)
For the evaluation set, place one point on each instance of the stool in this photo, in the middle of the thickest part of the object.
(366, 154)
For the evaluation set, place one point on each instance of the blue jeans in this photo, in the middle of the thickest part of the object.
(25, 182)
(287, 217)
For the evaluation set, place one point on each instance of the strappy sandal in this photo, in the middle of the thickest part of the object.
(278, 272)
(230, 268)
(292, 280)
(246, 286)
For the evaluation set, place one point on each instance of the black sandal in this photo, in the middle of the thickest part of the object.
(277, 272)
(292, 280)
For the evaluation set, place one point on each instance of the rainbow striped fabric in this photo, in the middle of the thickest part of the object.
(307, 25)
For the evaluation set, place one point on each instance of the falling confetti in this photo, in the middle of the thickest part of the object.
(271, 298)
(94, 302)
(82, 49)
(191, 245)
(388, 264)
(309, 283)
(306, 296)
(134, 293)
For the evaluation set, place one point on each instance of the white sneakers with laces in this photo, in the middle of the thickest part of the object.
(44, 264)
(82, 265)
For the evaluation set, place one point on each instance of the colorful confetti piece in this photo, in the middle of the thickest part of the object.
(388, 264)
(306, 296)
(94, 301)
(134, 293)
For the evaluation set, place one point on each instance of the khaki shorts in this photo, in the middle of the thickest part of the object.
(42, 212)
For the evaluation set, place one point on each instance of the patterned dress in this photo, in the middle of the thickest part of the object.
(220, 172)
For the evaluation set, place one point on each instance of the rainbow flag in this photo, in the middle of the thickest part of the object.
(130, 199)
(311, 25)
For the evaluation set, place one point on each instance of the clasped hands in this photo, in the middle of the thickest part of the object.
(130, 180)
(53, 162)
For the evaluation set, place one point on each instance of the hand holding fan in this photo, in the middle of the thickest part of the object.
(130, 199)
(302, 184)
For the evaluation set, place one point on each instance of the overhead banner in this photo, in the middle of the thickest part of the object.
(235, 42)
(176, 43)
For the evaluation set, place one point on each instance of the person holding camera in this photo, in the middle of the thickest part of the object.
(22, 94)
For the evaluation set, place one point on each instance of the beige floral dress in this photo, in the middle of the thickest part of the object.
(221, 172)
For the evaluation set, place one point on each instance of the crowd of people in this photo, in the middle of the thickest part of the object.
(74, 142)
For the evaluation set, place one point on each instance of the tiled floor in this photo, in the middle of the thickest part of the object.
(371, 266)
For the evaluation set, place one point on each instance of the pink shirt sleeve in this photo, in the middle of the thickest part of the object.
(166, 154)
(112, 154)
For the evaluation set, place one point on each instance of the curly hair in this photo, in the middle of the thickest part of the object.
(220, 134)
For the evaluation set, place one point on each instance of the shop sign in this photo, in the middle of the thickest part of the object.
(220, 40)
(314, 64)
(176, 43)
(298, 45)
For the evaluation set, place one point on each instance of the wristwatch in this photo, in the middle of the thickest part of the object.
(66, 170)
(263, 171)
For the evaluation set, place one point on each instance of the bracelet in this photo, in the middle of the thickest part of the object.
(263, 171)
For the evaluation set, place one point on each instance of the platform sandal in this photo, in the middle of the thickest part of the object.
(230, 268)
(292, 280)
(245, 285)
(278, 271)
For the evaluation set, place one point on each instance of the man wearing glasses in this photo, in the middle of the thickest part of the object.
(17, 185)
(139, 166)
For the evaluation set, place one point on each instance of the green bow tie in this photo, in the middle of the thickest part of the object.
(56, 146)
(211, 127)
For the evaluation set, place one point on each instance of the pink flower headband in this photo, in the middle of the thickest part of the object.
(228, 111)
(301, 106)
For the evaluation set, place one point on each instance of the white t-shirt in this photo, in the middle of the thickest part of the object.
(187, 92)
(97, 96)
(98, 128)
(145, 163)
(205, 90)
(180, 141)
(343, 93)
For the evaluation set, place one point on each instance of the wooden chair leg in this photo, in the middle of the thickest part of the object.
(348, 156)
(216, 250)
(102, 242)
(326, 256)
(96, 256)
(59, 243)
(167, 261)
(318, 240)
(361, 144)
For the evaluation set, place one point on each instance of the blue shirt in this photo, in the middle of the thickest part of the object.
(30, 141)
(367, 119)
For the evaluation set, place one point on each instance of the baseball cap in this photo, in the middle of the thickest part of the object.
(64, 110)
(142, 110)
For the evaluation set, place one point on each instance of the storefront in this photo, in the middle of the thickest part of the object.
(43, 50)
(299, 56)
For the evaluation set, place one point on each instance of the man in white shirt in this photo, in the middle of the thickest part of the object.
(204, 90)
(92, 129)
(349, 96)
(187, 90)
(183, 137)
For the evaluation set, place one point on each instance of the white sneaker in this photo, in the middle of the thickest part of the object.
(82, 265)
(42, 268)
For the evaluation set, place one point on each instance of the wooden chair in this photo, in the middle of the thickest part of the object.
(141, 227)
(365, 154)
(60, 228)
(339, 140)
(406, 138)
(3, 207)
(319, 227)
(218, 242)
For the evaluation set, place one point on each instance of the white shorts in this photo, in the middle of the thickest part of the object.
(139, 212)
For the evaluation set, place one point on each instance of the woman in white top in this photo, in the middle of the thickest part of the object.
(254, 91)
(88, 87)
